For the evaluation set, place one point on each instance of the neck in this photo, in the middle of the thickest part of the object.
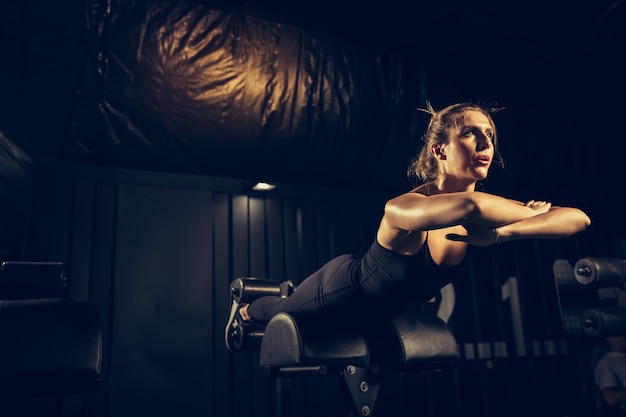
(450, 185)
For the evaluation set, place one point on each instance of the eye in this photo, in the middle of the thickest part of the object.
(473, 132)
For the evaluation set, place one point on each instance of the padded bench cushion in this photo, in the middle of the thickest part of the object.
(304, 339)
(415, 341)
(48, 342)
(424, 337)
(412, 339)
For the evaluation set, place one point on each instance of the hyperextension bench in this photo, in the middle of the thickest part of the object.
(304, 345)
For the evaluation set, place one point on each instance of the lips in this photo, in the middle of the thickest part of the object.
(483, 160)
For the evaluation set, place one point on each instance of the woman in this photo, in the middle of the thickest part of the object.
(423, 236)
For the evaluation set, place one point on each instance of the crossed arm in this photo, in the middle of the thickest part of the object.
(487, 218)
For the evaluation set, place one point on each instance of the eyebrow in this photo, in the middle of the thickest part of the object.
(490, 128)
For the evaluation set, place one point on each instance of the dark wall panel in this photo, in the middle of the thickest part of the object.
(162, 301)
(82, 217)
(51, 222)
(220, 398)
(101, 277)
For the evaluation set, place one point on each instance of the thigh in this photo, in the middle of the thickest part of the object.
(329, 288)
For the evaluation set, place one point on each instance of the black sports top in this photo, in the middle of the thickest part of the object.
(399, 280)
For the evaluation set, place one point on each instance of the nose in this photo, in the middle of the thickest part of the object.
(483, 141)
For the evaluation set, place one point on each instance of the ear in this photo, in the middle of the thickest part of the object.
(437, 150)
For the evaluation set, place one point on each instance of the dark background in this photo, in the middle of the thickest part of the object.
(322, 93)
(130, 130)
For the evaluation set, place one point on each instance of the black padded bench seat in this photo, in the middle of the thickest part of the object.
(414, 339)
(50, 347)
(305, 344)
(51, 344)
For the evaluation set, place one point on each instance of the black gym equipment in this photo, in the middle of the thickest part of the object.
(305, 344)
(591, 296)
(248, 335)
(51, 344)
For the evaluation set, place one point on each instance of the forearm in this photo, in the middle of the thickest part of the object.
(417, 212)
(557, 223)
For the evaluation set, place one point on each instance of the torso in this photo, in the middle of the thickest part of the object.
(444, 251)
(390, 282)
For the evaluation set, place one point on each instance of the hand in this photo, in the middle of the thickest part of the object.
(476, 235)
(540, 206)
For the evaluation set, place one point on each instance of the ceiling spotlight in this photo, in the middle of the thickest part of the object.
(263, 186)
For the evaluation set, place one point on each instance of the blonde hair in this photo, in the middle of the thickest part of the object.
(424, 166)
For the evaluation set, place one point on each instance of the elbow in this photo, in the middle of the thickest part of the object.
(577, 219)
(584, 220)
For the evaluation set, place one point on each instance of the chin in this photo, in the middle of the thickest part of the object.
(482, 174)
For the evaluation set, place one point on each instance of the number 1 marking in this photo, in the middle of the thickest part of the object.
(510, 291)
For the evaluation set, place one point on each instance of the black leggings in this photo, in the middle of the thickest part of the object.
(369, 287)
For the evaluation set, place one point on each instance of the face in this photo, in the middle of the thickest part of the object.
(469, 152)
